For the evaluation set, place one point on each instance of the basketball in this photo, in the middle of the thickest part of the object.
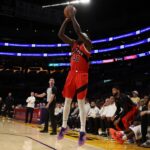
(69, 11)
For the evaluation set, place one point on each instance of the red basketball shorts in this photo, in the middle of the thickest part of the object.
(76, 83)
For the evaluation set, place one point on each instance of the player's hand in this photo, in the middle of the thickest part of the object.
(67, 20)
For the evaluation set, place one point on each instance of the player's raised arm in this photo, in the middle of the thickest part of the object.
(80, 34)
(62, 35)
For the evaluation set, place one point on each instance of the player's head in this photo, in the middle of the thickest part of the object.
(51, 81)
(85, 36)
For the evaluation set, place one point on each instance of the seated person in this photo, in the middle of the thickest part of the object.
(58, 114)
(93, 119)
(73, 117)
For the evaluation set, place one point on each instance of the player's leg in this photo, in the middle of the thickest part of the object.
(128, 118)
(81, 104)
(68, 93)
(66, 112)
(82, 84)
(82, 137)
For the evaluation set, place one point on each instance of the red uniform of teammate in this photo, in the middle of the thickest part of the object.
(77, 79)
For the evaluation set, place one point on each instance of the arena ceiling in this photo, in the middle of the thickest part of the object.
(25, 20)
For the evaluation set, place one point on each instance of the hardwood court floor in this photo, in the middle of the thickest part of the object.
(16, 135)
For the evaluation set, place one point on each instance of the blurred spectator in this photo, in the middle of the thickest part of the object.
(111, 107)
(111, 110)
(19, 106)
(9, 105)
(30, 107)
(141, 104)
(106, 112)
(146, 99)
(87, 106)
(1, 105)
(135, 99)
(73, 118)
(93, 114)
(41, 105)
(58, 114)
(72, 107)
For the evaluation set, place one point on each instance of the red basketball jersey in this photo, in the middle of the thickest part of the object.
(80, 58)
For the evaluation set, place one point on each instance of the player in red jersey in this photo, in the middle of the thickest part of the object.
(77, 79)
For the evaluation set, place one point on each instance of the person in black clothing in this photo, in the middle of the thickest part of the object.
(9, 105)
(1, 105)
(145, 120)
(50, 107)
(126, 110)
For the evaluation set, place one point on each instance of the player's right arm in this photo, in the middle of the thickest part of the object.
(62, 35)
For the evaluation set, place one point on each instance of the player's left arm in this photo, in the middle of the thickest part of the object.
(78, 31)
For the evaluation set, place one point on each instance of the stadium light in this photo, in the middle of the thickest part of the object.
(79, 1)
(85, 1)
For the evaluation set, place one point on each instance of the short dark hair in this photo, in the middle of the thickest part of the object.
(116, 87)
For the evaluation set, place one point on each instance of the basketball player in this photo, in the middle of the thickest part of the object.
(77, 79)
(126, 110)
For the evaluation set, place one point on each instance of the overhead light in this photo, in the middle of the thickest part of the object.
(85, 1)
(79, 1)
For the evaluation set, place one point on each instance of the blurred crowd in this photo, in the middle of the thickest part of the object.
(107, 118)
